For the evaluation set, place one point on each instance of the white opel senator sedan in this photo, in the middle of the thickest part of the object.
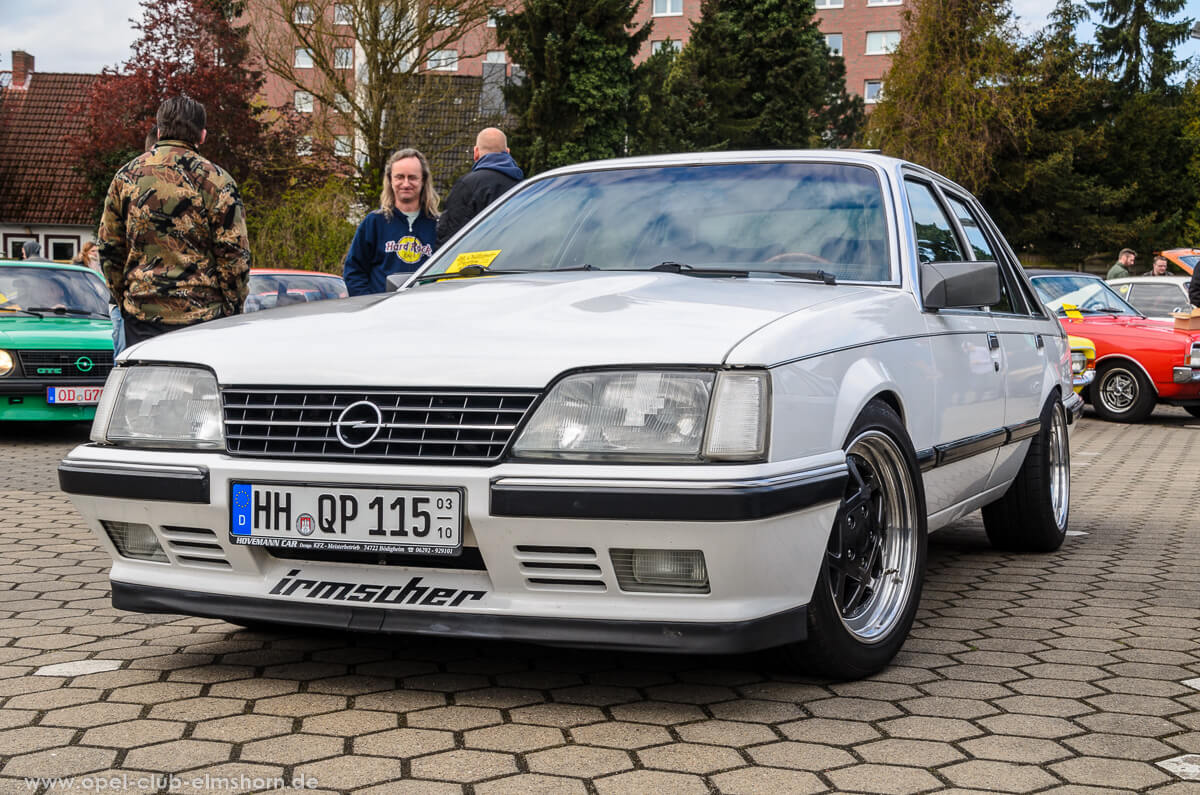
(689, 403)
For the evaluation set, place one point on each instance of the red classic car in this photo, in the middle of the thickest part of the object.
(1139, 361)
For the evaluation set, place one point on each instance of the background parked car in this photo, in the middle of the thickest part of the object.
(1155, 296)
(1139, 361)
(271, 287)
(55, 341)
(1181, 260)
(1083, 362)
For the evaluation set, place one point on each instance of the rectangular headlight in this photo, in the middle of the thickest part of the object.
(737, 428)
(620, 414)
(159, 406)
(1194, 358)
(1078, 362)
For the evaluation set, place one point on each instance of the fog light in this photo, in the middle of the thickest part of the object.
(134, 540)
(660, 570)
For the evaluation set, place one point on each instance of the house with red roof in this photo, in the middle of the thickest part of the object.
(41, 197)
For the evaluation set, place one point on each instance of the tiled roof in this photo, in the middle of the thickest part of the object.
(37, 183)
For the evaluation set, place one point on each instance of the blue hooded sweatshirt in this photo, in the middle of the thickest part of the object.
(382, 247)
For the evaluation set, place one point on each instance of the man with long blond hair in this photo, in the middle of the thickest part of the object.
(402, 233)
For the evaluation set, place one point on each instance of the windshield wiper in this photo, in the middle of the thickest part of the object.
(825, 277)
(18, 309)
(688, 270)
(481, 270)
(62, 310)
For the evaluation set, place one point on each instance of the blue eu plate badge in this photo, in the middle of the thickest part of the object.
(241, 508)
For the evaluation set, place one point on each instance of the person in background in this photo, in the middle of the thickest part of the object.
(494, 172)
(402, 233)
(32, 251)
(88, 257)
(1159, 268)
(1121, 268)
(173, 241)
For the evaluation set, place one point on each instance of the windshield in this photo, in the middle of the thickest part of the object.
(749, 217)
(279, 289)
(1190, 260)
(74, 292)
(1086, 294)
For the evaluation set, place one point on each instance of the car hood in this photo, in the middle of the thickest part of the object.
(515, 331)
(22, 331)
(1125, 325)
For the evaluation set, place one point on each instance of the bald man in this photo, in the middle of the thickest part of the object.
(494, 173)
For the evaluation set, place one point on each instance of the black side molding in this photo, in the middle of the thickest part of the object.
(717, 504)
(135, 483)
(1023, 430)
(684, 637)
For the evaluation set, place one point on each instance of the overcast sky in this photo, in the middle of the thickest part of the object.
(87, 35)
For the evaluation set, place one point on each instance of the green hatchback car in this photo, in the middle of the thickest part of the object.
(56, 347)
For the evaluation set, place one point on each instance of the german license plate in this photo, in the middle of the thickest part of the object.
(85, 395)
(413, 521)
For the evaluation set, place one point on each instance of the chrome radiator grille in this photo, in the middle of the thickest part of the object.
(447, 426)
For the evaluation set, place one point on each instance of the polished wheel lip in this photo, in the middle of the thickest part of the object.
(1060, 466)
(877, 611)
(1118, 390)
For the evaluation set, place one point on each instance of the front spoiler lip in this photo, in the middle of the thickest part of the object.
(683, 637)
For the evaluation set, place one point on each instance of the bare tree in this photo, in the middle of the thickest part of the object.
(369, 66)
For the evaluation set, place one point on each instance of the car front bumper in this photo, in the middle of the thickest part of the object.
(542, 535)
(25, 399)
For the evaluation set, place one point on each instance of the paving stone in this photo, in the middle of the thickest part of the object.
(561, 715)
(1109, 772)
(349, 722)
(690, 758)
(198, 709)
(134, 733)
(242, 728)
(454, 718)
(619, 734)
(400, 700)
(513, 737)
(404, 743)
(579, 760)
(165, 757)
(929, 728)
(464, 765)
(1006, 748)
(1137, 725)
(640, 782)
(921, 753)
(415, 788)
(344, 773)
(762, 780)
(752, 710)
(300, 704)
(31, 738)
(860, 709)
(800, 756)
(292, 749)
(497, 697)
(597, 696)
(883, 779)
(67, 761)
(531, 784)
(723, 732)
(1119, 746)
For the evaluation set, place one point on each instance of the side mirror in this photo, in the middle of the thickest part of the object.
(396, 281)
(947, 285)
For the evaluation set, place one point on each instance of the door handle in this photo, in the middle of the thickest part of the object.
(993, 341)
(1041, 343)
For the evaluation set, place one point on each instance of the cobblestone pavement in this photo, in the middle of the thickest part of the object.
(1072, 672)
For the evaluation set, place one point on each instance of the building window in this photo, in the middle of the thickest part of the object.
(16, 246)
(830, 3)
(658, 46)
(882, 42)
(443, 61)
(304, 146)
(343, 14)
(62, 248)
(885, 2)
(342, 146)
(443, 17)
(342, 103)
(303, 59)
(668, 8)
(496, 56)
(833, 41)
(872, 91)
(343, 58)
(304, 102)
(303, 14)
(493, 15)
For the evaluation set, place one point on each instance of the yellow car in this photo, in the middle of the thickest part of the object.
(1083, 361)
(1181, 260)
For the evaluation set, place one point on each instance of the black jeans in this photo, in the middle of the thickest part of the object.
(138, 330)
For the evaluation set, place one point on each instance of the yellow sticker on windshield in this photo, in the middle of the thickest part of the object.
(480, 258)
(1072, 311)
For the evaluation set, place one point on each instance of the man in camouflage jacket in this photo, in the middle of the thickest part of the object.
(173, 242)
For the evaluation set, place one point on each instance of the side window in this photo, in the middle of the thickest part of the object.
(932, 230)
(983, 251)
(1156, 299)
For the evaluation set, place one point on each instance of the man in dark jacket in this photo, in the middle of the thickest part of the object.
(494, 173)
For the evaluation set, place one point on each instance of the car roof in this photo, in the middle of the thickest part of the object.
(290, 271)
(24, 263)
(1056, 272)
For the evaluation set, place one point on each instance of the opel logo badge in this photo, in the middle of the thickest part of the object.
(359, 424)
(83, 364)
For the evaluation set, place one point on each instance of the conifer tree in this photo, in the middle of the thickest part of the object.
(1138, 38)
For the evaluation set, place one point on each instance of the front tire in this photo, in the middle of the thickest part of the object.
(869, 585)
(1122, 393)
(1032, 515)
